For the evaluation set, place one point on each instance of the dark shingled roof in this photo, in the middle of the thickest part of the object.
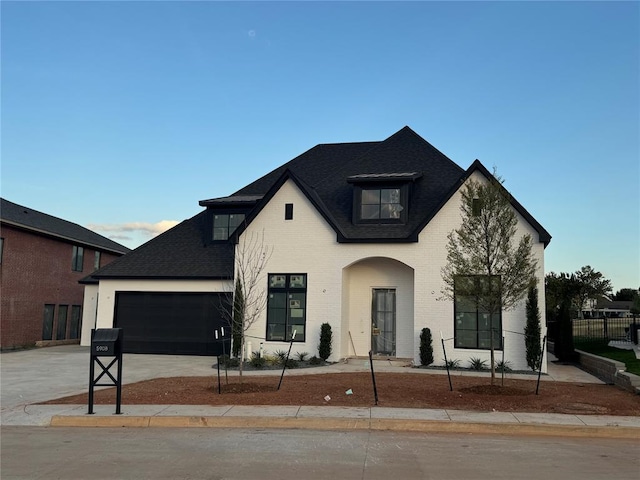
(180, 252)
(42, 223)
(325, 174)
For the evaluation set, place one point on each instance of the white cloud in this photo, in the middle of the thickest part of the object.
(117, 230)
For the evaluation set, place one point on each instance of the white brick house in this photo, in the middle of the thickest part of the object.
(358, 233)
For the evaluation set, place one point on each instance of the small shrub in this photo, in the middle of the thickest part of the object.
(291, 363)
(257, 361)
(315, 361)
(453, 364)
(302, 356)
(271, 360)
(476, 363)
(503, 366)
(228, 362)
(324, 349)
(281, 355)
(426, 347)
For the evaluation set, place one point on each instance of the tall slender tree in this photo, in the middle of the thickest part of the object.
(238, 315)
(532, 330)
(486, 247)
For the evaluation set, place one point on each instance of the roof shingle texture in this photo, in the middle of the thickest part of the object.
(181, 252)
(326, 169)
(27, 218)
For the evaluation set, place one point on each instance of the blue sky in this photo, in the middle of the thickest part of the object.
(122, 115)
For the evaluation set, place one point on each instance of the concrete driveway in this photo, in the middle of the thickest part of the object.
(41, 374)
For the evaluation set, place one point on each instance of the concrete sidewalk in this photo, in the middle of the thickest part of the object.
(341, 418)
(37, 375)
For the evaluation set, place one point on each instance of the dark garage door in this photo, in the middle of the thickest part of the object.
(168, 322)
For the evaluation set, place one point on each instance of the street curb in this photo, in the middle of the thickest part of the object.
(401, 425)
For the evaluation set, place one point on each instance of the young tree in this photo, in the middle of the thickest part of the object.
(250, 299)
(238, 315)
(532, 330)
(485, 246)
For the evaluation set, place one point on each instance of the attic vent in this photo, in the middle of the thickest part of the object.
(384, 177)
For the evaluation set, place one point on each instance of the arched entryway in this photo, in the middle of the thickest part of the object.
(378, 308)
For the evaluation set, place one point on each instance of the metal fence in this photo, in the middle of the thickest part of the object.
(606, 329)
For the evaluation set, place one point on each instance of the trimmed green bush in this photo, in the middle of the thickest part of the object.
(324, 349)
(426, 347)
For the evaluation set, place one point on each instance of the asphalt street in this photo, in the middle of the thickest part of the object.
(36, 453)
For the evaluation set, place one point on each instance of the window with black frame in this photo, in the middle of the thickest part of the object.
(287, 307)
(477, 311)
(380, 204)
(224, 224)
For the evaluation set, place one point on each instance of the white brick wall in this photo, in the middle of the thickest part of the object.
(341, 276)
(340, 280)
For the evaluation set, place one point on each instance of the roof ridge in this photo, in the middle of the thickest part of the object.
(58, 227)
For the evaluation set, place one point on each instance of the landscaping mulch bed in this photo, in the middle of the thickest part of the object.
(408, 390)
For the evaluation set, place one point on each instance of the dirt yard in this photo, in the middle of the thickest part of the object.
(409, 390)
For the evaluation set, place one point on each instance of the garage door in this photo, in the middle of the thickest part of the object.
(170, 322)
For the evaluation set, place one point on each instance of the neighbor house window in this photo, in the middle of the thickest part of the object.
(47, 322)
(76, 323)
(288, 211)
(225, 224)
(61, 331)
(477, 311)
(96, 261)
(1, 248)
(287, 307)
(77, 259)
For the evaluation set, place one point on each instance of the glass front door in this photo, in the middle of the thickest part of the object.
(383, 322)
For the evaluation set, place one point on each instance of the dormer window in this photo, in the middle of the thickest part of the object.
(380, 204)
(224, 224)
(381, 198)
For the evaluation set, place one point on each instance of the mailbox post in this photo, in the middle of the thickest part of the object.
(106, 342)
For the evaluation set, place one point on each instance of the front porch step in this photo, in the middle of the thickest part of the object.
(386, 361)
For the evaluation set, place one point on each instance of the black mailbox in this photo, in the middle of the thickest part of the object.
(106, 342)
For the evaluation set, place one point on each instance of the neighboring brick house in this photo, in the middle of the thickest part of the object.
(42, 259)
(359, 234)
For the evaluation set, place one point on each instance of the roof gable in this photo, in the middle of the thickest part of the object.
(326, 172)
(477, 166)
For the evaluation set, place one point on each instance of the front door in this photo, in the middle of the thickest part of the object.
(383, 319)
